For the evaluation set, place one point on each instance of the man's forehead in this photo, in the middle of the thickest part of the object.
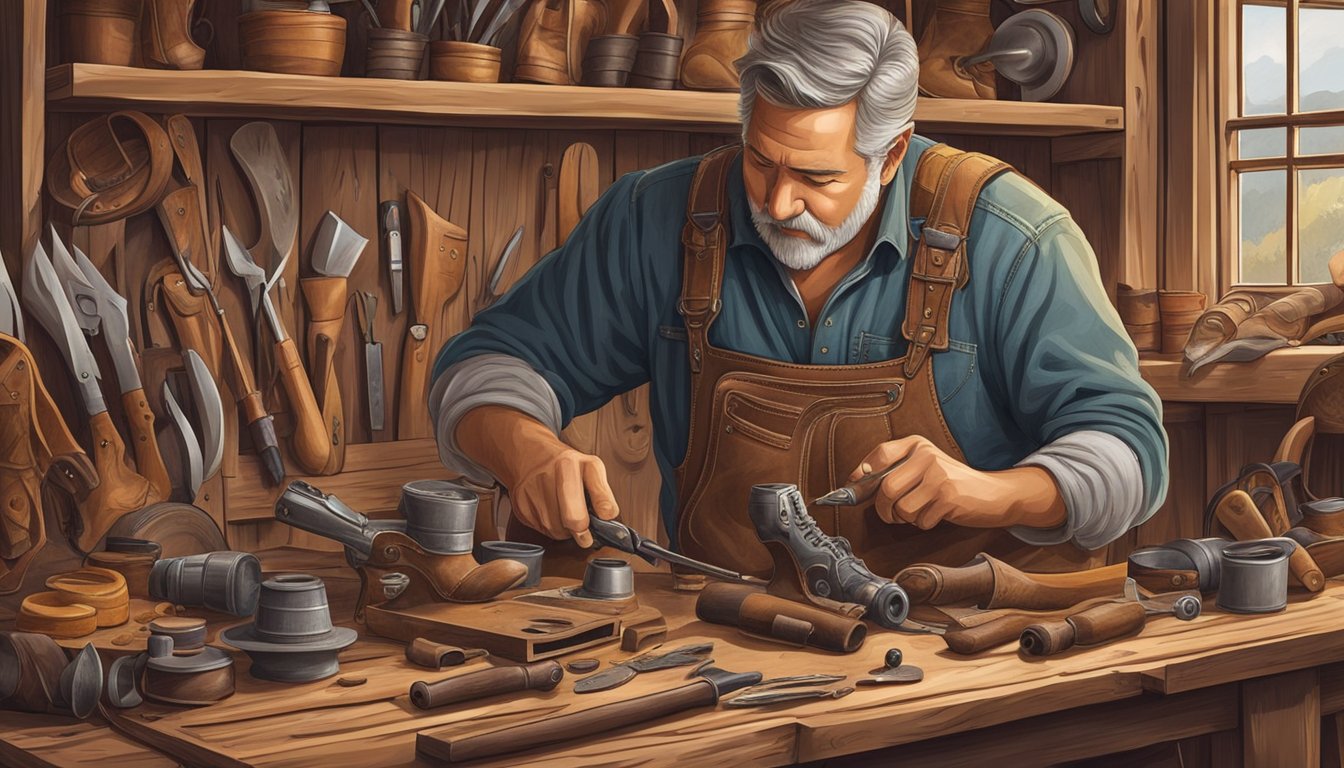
(801, 133)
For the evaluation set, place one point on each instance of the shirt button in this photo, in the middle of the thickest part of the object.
(829, 323)
(802, 323)
(824, 350)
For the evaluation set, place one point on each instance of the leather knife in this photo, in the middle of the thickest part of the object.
(618, 535)
(11, 318)
(490, 290)
(389, 217)
(625, 671)
(209, 412)
(46, 300)
(190, 445)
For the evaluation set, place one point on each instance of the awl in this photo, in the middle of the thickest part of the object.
(618, 535)
(389, 218)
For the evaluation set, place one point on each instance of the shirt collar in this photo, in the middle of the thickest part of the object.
(894, 228)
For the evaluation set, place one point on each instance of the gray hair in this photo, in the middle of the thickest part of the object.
(821, 54)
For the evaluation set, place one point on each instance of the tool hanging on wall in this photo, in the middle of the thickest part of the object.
(119, 490)
(490, 290)
(367, 309)
(438, 266)
(309, 444)
(203, 444)
(98, 307)
(336, 250)
(389, 222)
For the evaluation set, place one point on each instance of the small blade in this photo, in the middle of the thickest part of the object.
(11, 317)
(189, 442)
(44, 298)
(504, 256)
(389, 217)
(337, 247)
(116, 324)
(254, 277)
(210, 408)
(648, 548)
(901, 675)
(82, 297)
(605, 680)
(767, 697)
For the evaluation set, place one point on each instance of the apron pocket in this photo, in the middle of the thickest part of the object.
(953, 368)
(770, 423)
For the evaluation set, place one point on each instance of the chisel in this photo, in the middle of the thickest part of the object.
(389, 218)
(367, 309)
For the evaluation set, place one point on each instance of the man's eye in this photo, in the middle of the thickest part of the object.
(821, 182)
(758, 160)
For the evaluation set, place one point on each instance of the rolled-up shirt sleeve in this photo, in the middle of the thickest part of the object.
(567, 337)
(1072, 376)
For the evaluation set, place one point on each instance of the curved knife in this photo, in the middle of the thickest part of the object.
(210, 409)
(45, 299)
(82, 297)
(189, 442)
(11, 318)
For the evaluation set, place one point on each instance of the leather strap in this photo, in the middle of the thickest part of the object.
(946, 186)
(704, 239)
(103, 175)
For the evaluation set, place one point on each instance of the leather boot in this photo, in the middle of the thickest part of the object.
(959, 28)
(165, 36)
(552, 39)
(721, 32)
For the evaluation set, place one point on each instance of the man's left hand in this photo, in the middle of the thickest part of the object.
(930, 486)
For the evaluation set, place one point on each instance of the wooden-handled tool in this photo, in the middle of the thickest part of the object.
(540, 676)
(1093, 626)
(712, 684)
(438, 260)
(1239, 515)
(992, 583)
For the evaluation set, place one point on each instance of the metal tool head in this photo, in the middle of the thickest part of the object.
(115, 322)
(210, 409)
(497, 276)
(337, 247)
(257, 149)
(82, 296)
(47, 303)
(241, 264)
(11, 317)
(190, 445)
(902, 675)
(82, 682)
(726, 682)
(196, 280)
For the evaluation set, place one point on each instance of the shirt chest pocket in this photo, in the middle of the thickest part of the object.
(953, 368)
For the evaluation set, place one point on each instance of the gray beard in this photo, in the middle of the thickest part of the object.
(822, 241)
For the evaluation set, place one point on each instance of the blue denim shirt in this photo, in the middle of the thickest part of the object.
(1036, 350)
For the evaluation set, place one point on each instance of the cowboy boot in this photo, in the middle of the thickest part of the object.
(552, 39)
(721, 32)
(958, 29)
(165, 36)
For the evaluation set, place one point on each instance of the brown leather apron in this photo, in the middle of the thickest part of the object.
(756, 420)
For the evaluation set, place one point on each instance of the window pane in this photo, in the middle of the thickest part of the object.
(1264, 67)
(1320, 221)
(1262, 142)
(1320, 58)
(1321, 141)
(1264, 210)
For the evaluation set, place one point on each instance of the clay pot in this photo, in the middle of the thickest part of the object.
(1179, 311)
(721, 31)
(1139, 312)
(99, 31)
(394, 54)
(463, 62)
(133, 566)
(608, 60)
(657, 61)
(292, 42)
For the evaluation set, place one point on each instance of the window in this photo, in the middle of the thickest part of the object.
(1285, 150)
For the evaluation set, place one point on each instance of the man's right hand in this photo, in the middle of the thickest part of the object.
(549, 482)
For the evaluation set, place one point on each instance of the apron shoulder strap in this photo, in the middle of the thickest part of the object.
(704, 241)
(946, 185)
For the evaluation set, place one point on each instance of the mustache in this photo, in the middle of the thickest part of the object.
(804, 222)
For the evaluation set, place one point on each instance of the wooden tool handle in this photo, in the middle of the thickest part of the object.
(259, 423)
(988, 635)
(412, 403)
(395, 14)
(541, 676)
(1091, 627)
(148, 460)
(309, 443)
(589, 722)
(937, 585)
(757, 613)
(1239, 515)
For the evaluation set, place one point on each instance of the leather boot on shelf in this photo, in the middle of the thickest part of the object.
(165, 36)
(552, 39)
(958, 29)
(721, 32)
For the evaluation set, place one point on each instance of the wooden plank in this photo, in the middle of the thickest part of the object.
(1182, 514)
(1281, 720)
(217, 93)
(23, 56)
(1139, 223)
(53, 741)
(1088, 146)
(1091, 190)
(1189, 210)
(1075, 734)
(1332, 689)
(1275, 378)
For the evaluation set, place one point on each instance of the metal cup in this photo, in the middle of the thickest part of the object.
(527, 554)
(220, 581)
(608, 578)
(1255, 576)
(292, 609)
(440, 516)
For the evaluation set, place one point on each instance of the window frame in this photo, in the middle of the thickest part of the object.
(1231, 98)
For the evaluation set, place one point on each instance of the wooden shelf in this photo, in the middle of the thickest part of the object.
(221, 93)
(1275, 378)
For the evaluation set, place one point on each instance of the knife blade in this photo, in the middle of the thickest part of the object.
(389, 217)
(190, 444)
(337, 247)
(44, 298)
(210, 410)
(618, 535)
(623, 672)
(81, 296)
(11, 317)
(490, 291)
(115, 323)
(367, 309)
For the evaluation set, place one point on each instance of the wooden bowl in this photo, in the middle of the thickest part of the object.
(292, 42)
(47, 613)
(102, 588)
(463, 62)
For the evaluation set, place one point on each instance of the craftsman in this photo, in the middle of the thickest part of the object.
(1034, 438)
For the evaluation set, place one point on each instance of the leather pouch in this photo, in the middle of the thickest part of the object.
(119, 490)
(326, 299)
(192, 318)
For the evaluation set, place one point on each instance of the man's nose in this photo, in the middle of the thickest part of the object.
(782, 202)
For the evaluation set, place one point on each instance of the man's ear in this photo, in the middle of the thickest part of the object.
(895, 155)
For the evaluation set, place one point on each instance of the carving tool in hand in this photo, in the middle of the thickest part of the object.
(366, 308)
(389, 219)
(857, 492)
(309, 441)
(618, 535)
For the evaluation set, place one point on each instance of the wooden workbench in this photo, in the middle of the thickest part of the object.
(1270, 677)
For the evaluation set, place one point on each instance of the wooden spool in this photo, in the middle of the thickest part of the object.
(133, 566)
(292, 42)
(47, 613)
(394, 54)
(463, 62)
(101, 588)
(99, 31)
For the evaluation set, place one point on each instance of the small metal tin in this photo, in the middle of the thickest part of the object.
(292, 609)
(221, 581)
(527, 554)
(188, 634)
(1255, 576)
(440, 516)
(608, 578)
